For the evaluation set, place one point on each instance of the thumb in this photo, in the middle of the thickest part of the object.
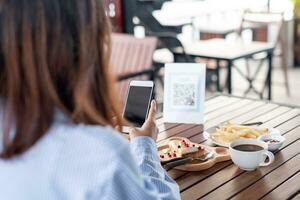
(151, 115)
(152, 110)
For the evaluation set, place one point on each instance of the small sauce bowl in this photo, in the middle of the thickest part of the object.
(274, 141)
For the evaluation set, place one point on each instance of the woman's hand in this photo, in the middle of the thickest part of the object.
(149, 127)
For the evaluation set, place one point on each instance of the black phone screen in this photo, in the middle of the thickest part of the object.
(137, 104)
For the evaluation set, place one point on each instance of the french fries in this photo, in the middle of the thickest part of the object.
(229, 132)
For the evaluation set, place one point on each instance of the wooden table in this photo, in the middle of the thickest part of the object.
(230, 51)
(280, 180)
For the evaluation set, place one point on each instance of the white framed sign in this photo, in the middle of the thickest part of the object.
(184, 93)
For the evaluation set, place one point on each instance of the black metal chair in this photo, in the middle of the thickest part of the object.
(144, 13)
(264, 19)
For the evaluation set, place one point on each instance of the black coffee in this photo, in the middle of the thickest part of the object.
(248, 147)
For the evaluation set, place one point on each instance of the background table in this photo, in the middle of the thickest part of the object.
(230, 51)
(280, 180)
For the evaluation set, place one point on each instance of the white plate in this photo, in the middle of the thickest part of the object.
(207, 136)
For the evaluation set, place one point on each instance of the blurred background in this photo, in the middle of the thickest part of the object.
(241, 41)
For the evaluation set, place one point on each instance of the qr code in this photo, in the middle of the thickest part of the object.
(184, 94)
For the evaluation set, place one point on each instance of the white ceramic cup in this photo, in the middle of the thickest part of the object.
(250, 160)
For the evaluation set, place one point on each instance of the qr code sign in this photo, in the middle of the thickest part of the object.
(184, 94)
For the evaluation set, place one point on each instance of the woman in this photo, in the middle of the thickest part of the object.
(58, 107)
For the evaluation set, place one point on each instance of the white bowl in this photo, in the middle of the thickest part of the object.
(273, 146)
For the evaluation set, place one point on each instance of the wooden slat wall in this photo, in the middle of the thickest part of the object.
(131, 55)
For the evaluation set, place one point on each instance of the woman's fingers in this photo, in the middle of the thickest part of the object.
(149, 127)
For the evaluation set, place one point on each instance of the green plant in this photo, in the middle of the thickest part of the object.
(296, 1)
(297, 8)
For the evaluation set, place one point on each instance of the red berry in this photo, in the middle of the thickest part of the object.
(193, 145)
(174, 154)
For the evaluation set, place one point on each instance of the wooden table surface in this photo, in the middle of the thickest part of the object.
(280, 180)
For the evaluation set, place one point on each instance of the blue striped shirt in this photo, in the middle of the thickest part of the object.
(86, 162)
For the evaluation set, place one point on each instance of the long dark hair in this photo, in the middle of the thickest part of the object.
(54, 55)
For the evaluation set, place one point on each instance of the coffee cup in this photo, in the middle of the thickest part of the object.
(248, 154)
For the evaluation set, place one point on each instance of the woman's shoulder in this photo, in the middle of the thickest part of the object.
(88, 155)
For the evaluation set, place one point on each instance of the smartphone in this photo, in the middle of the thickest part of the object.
(138, 99)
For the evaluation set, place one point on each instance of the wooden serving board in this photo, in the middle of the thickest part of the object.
(221, 154)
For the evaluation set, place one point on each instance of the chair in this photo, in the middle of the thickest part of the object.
(144, 12)
(132, 58)
(266, 19)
